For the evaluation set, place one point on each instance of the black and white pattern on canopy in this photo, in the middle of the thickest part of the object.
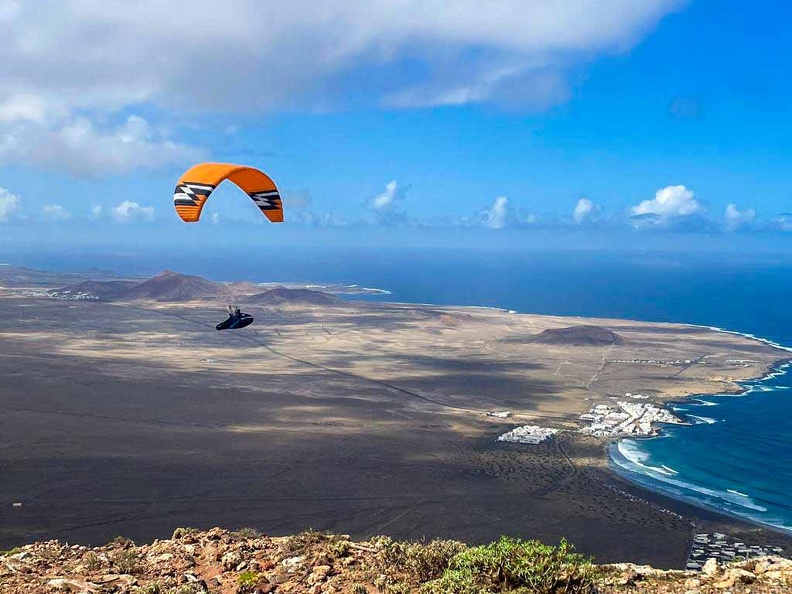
(186, 193)
(269, 200)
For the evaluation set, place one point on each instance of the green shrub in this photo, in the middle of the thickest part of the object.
(92, 561)
(187, 589)
(415, 561)
(126, 561)
(148, 589)
(246, 532)
(247, 581)
(453, 581)
(123, 542)
(514, 565)
(10, 552)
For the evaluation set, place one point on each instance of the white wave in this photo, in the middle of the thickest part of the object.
(634, 460)
(331, 288)
(701, 402)
(633, 452)
(703, 420)
(748, 335)
(737, 493)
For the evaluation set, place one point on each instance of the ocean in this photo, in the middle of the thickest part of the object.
(734, 457)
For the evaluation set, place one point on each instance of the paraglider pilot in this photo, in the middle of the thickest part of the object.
(236, 319)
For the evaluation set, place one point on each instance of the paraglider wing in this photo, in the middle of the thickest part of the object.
(197, 184)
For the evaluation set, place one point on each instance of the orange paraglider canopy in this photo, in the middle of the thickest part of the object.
(199, 182)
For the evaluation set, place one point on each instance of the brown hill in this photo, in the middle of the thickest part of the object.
(282, 296)
(172, 286)
(583, 335)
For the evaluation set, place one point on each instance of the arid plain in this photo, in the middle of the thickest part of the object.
(135, 417)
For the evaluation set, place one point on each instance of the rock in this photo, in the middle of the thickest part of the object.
(724, 584)
(710, 567)
(117, 578)
(319, 574)
(73, 585)
(230, 560)
(293, 562)
(740, 575)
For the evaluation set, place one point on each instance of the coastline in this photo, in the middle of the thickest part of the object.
(418, 401)
(653, 485)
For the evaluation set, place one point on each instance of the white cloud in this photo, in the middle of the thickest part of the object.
(87, 54)
(738, 219)
(132, 211)
(97, 211)
(56, 212)
(669, 203)
(9, 204)
(70, 67)
(215, 217)
(498, 215)
(782, 222)
(502, 214)
(76, 145)
(25, 108)
(388, 199)
(386, 206)
(585, 210)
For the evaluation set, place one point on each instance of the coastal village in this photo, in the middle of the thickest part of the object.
(719, 547)
(636, 419)
(531, 434)
(639, 419)
(633, 419)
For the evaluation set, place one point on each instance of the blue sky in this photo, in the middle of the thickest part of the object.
(658, 116)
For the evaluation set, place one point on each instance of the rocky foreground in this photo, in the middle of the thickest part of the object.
(245, 562)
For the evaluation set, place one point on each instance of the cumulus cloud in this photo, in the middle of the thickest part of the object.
(585, 210)
(9, 204)
(56, 212)
(739, 219)
(91, 53)
(386, 207)
(499, 215)
(782, 222)
(78, 146)
(97, 211)
(132, 211)
(71, 66)
(502, 214)
(672, 206)
(388, 199)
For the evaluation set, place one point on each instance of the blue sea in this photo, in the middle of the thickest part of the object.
(736, 455)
